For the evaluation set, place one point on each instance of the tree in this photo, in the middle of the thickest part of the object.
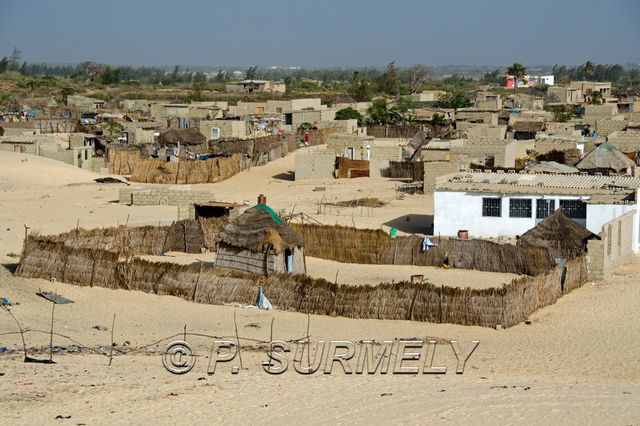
(453, 100)
(493, 77)
(596, 98)
(518, 71)
(415, 77)
(4, 64)
(16, 55)
(379, 112)
(114, 130)
(90, 70)
(588, 70)
(110, 75)
(349, 114)
(65, 92)
(359, 89)
(251, 73)
(198, 85)
(387, 82)
(562, 116)
(438, 119)
(402, 111)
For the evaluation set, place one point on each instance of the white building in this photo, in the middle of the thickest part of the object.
(549, 80)
(491, 205)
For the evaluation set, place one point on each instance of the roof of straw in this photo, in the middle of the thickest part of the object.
(188, 136)
(528, 126)
(559, 234)
(258, 228)
(605, 156)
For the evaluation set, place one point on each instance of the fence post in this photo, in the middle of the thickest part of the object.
(440, 304)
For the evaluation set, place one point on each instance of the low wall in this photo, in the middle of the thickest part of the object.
(614, 248)
(179, 196)
(315, 164)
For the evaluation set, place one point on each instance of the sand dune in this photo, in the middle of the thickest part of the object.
(23, 170)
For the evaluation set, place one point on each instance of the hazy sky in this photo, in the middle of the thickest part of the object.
(322, 32)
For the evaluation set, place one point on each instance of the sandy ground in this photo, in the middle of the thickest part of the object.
(357, 274)
(578, 362)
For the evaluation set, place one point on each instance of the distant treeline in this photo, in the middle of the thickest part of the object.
(362, 82)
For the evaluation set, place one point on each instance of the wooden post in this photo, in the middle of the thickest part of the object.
(53, 309)
(308, 340)
(235, 323)
(184, 229)
(113, 324)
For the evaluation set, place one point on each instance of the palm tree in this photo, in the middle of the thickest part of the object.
(589, 70)
(518, 71)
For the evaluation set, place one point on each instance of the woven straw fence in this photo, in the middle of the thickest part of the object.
(507, 306)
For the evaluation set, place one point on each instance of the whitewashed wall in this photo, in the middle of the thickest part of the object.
(454, 211)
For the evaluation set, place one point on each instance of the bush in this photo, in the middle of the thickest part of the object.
(349, 114)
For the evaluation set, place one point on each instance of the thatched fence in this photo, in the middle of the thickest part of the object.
(60, 259)
(388, 131)
(122, 162)
(155, 170)
(413, 170)
(187, 236)
(366, 246)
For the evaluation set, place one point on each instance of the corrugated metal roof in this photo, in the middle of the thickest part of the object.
(521, 183)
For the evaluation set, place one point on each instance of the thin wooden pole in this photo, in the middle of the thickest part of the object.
(235, 323)
(308, 340)
(24, 343)
(53, 309)
(113, 325)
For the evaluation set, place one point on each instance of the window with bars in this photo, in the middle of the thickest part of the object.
(492, 207)
(519, 207)
(545, 208)
(575, 209)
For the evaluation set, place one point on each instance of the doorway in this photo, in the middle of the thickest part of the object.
(288, 259)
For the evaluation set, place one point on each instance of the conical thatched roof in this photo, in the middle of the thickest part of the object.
(605, 156)
(551, 167)
(560, 235)
(257, 228)
(188, 136)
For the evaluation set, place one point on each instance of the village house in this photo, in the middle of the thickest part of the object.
(588, 87)
(182, 115)
(258, 241)
(509, 204)
(565, 95)
(427, 96)
(85, 104)
(256, 86)
(488, 100)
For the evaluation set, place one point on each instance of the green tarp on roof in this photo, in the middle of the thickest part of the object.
(269, 210)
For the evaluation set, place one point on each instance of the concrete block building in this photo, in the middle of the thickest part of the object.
(509, 204)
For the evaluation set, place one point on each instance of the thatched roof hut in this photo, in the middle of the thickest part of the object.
(559, 234)
(551, 167)
(259, 241)
(260, 227)
(188, 136)
(605, 157)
